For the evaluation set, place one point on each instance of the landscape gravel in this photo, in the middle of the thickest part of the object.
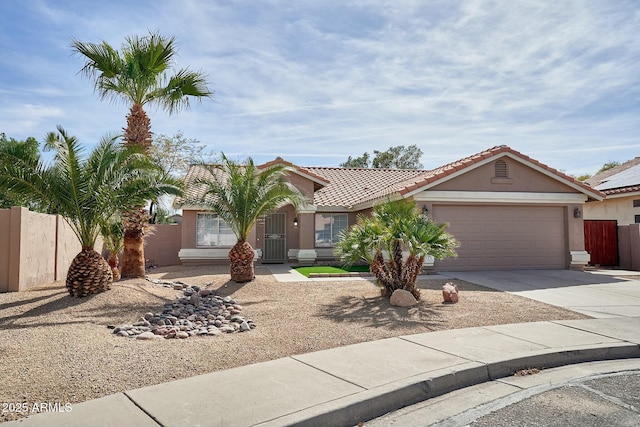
(58, 349)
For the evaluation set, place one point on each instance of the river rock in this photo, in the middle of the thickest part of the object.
(197, 312)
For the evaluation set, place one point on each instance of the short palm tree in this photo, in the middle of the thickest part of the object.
(139, 75)
(113, 235)
(240, 194)
(382, 238)
(87, 193)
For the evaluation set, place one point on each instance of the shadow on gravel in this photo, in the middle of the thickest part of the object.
(378, 312)
(30, 301)
(60, 301)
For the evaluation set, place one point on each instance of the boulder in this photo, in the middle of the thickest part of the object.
(402, 298)
(450, 293)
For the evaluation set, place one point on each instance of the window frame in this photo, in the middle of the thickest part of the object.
(218, 238)
(333, 235)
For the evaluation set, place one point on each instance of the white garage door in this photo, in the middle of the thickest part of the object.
(505, 237)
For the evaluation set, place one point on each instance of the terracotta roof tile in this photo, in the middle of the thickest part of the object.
(350, 186)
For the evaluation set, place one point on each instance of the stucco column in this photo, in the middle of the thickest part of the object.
(306, 235)
(578, 257)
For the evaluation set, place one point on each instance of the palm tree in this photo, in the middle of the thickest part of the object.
(139, 75)
(392, 228)
(113, 235)
(88, 193)
(240, 194)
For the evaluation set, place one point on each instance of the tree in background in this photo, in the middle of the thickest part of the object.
(87, 192)
(607, 166)
(398, 157)
(175, 154)
(139, 75)
(28, 148)
(393, 228)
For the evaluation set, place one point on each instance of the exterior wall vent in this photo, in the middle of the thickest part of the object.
(501, 169)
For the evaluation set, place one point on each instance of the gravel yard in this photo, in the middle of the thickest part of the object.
(54, 348)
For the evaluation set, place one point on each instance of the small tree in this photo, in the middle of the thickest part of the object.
(240, 194)
(392, 228)
(174, 154)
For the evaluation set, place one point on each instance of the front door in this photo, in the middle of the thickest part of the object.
(275, 250)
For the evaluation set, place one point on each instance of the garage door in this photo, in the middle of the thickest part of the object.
(505, 237)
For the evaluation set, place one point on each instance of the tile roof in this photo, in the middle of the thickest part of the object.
(348, 187)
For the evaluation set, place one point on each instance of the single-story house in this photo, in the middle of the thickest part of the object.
(507, 210)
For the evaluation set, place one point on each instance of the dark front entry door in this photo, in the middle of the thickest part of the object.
(275, 250)
(601, 241)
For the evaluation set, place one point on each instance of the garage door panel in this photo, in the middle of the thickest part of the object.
(503, 237)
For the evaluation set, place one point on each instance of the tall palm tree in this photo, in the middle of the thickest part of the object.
(87, 193)
(240, 194)
(393, 228)
(139, 75)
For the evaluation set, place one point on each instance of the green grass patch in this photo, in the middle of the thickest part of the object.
(327, 269)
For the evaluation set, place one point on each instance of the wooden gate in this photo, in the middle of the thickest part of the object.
(601, 241)
(274, 250)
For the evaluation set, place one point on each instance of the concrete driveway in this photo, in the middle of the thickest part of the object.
(599, 294)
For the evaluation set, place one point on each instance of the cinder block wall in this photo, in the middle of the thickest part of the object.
(162, 244)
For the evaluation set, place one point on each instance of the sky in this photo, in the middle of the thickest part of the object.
(318, 81)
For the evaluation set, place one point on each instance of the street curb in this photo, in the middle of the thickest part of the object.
(378, 401)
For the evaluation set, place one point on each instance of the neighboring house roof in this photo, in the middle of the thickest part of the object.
(361, 187)
(624, 178)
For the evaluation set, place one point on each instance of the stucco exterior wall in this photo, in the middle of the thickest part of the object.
(37, 249)
(629, 246)
(188, 237)
(68, 248)
(162, 244)
(618, 208)
(520, 178)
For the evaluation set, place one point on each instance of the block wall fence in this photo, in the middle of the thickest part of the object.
(37, 249)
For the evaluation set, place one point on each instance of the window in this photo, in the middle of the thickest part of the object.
(501, 169)
(636, 203)
(328, 226)
(636, 219)
(211, 231)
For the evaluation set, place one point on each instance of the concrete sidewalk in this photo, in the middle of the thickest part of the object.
(345, 385)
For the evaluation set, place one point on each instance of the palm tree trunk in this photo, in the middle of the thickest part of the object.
(113, 263)
(88, 274)
(241, 262)
(134, 223)
(138, 131)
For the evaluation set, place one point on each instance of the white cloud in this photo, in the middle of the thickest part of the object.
(321, 81)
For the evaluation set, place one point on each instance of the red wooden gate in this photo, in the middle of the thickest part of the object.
(601, 241)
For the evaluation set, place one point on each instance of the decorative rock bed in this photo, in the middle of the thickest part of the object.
(197, 313)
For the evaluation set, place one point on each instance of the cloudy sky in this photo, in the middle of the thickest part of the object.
(318, 81)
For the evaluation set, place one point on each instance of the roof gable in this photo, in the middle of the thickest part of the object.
(462, 166)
